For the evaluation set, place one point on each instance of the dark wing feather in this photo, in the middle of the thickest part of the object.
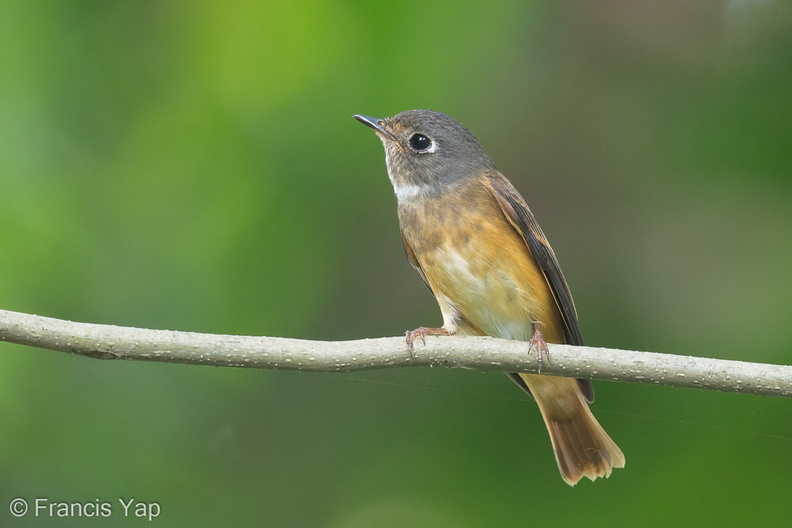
(523, 221)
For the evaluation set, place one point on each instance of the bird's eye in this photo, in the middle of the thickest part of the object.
(420, 143)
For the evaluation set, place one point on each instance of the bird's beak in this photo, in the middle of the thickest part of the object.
(376, 124)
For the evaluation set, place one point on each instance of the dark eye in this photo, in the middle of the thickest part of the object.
(420, 143)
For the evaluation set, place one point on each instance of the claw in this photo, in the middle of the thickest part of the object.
(538, 343)
(421, 332)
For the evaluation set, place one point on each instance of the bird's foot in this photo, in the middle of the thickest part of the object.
(538, 344)
(421, 332)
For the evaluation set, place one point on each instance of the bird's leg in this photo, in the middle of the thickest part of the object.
(538, 343)
(421, 332)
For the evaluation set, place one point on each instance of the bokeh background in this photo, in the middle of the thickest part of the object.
(195, 166)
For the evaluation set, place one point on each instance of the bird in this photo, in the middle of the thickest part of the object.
(477, 246)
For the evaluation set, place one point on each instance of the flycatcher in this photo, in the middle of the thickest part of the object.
(478, 248)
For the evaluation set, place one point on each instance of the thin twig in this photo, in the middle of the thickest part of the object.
(478, 353)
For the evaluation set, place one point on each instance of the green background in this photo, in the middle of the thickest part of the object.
(194, 166)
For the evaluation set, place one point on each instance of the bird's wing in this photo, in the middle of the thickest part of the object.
(522, 220)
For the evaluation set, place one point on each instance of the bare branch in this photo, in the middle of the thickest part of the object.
(478, 353)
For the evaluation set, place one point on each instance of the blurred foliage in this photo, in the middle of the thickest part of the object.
(194, 166)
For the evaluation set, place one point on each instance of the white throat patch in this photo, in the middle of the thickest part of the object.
(404, 191)
(409, 191)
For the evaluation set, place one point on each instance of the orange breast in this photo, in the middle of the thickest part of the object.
(473, 258)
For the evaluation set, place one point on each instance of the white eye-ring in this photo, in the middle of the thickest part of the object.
(422, 144)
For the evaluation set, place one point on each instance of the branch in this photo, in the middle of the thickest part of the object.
(478, 353)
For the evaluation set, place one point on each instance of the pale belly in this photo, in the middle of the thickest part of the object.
(488, 293)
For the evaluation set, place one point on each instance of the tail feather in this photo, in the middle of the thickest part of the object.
(582, 447)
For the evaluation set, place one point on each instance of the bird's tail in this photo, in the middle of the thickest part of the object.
(582, 447)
